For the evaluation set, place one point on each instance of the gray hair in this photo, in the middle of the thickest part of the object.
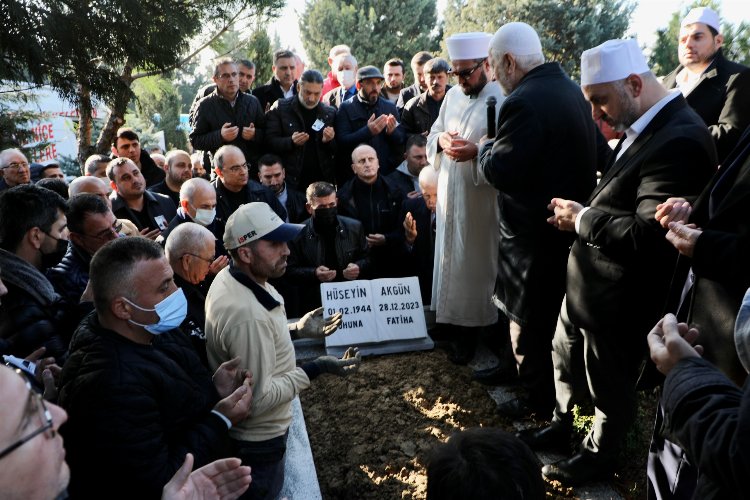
(190, 186)
(93, 161)
(186, 238)
(344, 57)
(528, 62)
(5, 153)
(219, 155)
(339, 49)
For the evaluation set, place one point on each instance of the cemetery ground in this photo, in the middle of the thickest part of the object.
(371, 432)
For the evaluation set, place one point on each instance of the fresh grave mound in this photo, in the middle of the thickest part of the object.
(371, 432)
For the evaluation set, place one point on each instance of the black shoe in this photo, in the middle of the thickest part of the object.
(553, 437)
(582, 468)
(497, 375)
(516, 408)
(462, 353)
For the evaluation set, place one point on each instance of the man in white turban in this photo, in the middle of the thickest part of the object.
(621, 265)
(467, 212)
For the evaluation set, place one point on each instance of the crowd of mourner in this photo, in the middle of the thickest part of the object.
(591, 235)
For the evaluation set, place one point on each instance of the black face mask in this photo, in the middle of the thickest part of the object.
(54, 257)
(325, 218)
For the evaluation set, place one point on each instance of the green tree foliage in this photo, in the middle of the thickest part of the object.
(566, 29)
(376, 30)
(158, 101)
(89, 50)
(664, 52)
(259, 51)
(15, 125)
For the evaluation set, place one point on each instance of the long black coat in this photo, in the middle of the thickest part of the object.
(722, 98)
(721, 260)
(620, 267)
(545, 147)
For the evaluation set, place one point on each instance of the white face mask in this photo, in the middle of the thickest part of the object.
(204, 216)
(345, 78)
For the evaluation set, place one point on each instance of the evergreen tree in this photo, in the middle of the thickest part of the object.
(376, 30)
(566, 29)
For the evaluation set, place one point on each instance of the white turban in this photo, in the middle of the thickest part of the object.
(612, 61)
(463, 46)
(518, 39)
(702, 15)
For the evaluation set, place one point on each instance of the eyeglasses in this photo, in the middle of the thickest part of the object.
(466, 73)
(107, 234)
(210, 261)
(41, 410)
(237, 168)
(16, 166)
(227, 76)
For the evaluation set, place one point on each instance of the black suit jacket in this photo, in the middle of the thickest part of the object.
(271, 92)
(160, 208)
(621, 265)
(722, 98)
(545, 147)
(295, 206)
(721, 260)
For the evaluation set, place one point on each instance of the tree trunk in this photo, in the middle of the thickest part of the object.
(116, 117)
(85, 149)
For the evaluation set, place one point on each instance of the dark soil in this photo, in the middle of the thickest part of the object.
(371, 432)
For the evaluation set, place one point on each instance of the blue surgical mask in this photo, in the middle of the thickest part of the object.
(171, 312)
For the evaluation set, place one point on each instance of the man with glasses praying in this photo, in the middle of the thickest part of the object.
(234, 186)
(15, 168)
(228, 116)
(467, 211)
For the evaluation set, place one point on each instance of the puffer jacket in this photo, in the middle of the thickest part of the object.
(71, 275)
(134, 412)
(282, 121)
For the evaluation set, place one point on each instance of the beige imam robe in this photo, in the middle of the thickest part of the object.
(467, 216)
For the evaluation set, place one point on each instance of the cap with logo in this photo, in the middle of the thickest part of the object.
(256, 221)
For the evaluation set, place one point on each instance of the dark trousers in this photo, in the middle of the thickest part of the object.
(603, 365)
(266, 459)
(532, 349)
(670, 474)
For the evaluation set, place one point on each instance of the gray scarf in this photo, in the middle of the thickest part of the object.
(17, 272)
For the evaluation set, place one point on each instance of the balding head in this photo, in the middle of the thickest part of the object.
(428, 183)
(190, 250)
(514, 50)
(198, 196)
(365, 163)
(91, 185)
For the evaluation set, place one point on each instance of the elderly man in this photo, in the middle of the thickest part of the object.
(150, 212)
(620, 265)
(369, 119)
(300, 130)
(420, 112)
(374, 200)
(345, 67)
(272, 174)
(33, 238)
(159, 159)
(178, 168)
(331, 80)
(198, 204)
(282, 84)
(135, 390)
(418, 216)
(228, 116)
(245, 318)
(467, 211)
(536, 154)
(716, 88)
(393, 69)
(91, 224)
(417, 69)
(234, 187)
(330, 247)
(126, 144)
(406, 175)
(15, 169)
(190, 251)
(96, 166)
